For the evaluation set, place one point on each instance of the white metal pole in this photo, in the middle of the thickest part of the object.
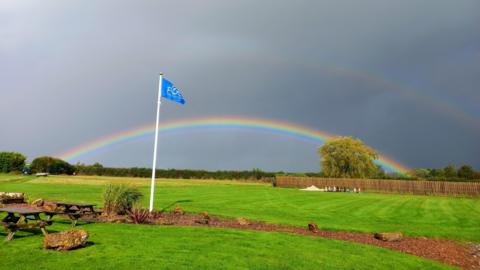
(159, 103)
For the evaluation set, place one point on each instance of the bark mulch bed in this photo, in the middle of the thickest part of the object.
(466, 256)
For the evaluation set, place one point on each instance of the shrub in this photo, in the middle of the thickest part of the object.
(117, 199)
(139, 216)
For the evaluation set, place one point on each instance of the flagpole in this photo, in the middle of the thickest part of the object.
(159, 103)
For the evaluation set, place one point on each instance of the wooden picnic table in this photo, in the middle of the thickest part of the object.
(17, 219)
(73, 210)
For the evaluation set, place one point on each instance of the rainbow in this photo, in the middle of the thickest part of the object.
(270, 126)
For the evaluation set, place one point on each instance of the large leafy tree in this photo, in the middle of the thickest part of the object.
(347, 157)
(51, 165)
(11, 162)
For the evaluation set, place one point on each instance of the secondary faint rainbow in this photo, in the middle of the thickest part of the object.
(270, 126)
(376, 82)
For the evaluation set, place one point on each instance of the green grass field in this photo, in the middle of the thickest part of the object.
(142, 246)
(455, 218)
(120, 246)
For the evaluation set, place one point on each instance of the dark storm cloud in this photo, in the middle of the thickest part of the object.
(401, 75)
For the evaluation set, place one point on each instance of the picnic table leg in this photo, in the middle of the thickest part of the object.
(12, 231)
(42, 224)
(71, 216)
(10, 235)
(74, 219)
(22, 219)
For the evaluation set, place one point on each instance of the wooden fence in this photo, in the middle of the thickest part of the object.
(385, 186)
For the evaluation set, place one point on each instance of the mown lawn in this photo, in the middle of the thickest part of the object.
(456, 218)
(121, 246)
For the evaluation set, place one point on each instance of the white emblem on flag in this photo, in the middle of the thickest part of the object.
(171, 90)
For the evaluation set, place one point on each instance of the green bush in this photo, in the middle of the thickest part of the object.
(11, 162)
(118, 199)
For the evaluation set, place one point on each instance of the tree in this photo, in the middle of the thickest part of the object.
(51, 165)
(466, 172)
(421, 173)
(450, 171)
(379, 173)
(11, 162)
(347, 157)
(437, 173)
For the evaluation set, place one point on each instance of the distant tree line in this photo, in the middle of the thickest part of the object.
(378, 173)
(99, 169)
(16, 163)
(449, 173)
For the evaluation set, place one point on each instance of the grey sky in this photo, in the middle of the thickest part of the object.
(403, 76)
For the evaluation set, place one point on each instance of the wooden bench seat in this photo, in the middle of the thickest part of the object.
(25, 226)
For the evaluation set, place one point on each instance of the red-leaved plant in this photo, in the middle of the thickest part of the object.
(139, 216)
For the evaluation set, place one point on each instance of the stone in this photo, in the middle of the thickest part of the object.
(49, 206)
(37, 203)
(313, 227)
(66, 240)
(163, 221)
(389, 236)
(242, 221)
(12, 198)
(204, 220)
(475, 250)
(117, 219)
(156, 215)
(178, 211)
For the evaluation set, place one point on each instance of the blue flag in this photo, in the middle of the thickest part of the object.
(169, 91)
